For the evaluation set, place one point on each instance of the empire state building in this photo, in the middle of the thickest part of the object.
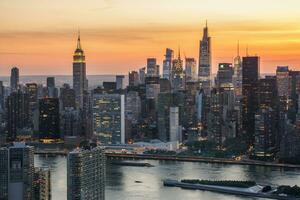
(80, 83)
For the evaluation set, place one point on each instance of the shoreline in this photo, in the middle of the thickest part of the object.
(181, 159)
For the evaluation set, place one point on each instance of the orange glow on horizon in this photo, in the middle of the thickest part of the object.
(116, 40)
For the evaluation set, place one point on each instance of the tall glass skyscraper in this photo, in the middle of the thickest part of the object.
(204, 69)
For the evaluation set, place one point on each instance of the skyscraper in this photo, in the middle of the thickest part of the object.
(86, 174)
(109, 118)
(238, 76)
(14, 79)
(67, 97)
(17, 107)
(49, 123)
(16, 172)
(133, 77)
(175, 132)
(224, 75)
(42, 184)
(204, 69)
(52, 90)
(190, 69)
(152, 67)
(80, 83)
(119, 82)
(251, 67)
(167, 63)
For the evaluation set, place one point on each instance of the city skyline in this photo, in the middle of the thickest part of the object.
(109, 28)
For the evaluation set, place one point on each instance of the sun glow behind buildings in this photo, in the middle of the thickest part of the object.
(119, 35)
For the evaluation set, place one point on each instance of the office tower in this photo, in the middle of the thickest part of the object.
(294, 91)
(142, 75)
(32, 91)
(49, 123)
(41, 184)
(238, 75)
(67, 97)
(204, 68)
(109, 118)
(17, 107)
(283, 82)
(266, 121)
(152, 69)
(133, 77)
(86, 173)
(119, 82)
(167, 63)
(80, 83)
(251, 67)
(70, 122)
(132, 114)
(190, 69)
(164, 102)
(52, 90)
(214, 118)
(14, 79)
(133, 106)
(224, 75)
(2, 96)
(16, 172)
(175, 132)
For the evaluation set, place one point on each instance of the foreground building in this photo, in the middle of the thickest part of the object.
(42, 184)
(86, 174)
(16, 172)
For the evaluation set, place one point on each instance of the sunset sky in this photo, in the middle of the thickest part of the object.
(39, 36)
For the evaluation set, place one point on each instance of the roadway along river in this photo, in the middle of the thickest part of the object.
(121, 185)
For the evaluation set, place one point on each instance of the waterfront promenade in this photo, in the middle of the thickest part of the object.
(129, 156)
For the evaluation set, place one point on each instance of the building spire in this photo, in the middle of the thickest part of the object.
(179, 52)
(78, 41)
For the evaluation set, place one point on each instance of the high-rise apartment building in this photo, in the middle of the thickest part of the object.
(86, 174)
(16, 172)
(41, 184)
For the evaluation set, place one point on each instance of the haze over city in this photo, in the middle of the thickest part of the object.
(118, 35)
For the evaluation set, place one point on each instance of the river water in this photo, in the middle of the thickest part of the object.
(120, 180)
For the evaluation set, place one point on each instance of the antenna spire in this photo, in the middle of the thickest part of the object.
(78, 40)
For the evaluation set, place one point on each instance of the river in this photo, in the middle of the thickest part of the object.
(121, 185)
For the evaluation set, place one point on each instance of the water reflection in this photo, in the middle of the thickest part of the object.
(121, 180)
